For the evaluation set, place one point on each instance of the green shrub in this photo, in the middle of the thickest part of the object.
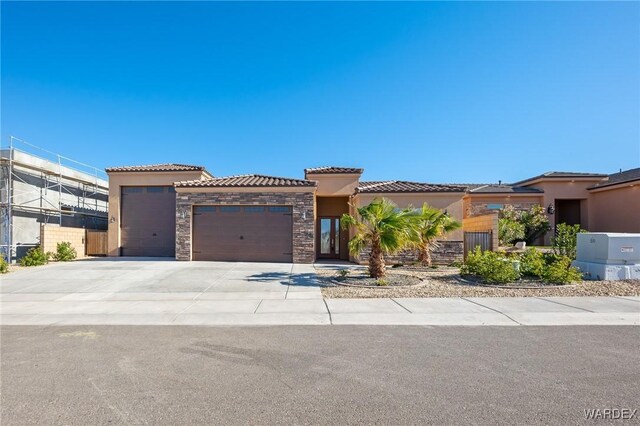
(490, 266)
(382, 282)
(342, 273)
(532, 263)
(34, 257)
(4, 266)
(510, 231)
(64, 252)
(560, 271)
(566, 240)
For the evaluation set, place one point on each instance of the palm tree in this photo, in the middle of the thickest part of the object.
(382, 227)
(431, 224)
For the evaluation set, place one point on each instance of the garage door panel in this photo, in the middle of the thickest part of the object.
(148, 221)
(242, 233)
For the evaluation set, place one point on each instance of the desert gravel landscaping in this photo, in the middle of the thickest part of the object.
(444, 282)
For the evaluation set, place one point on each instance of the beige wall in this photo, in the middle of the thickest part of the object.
(332, 206)
(119, 179)
(452, 202)
(615, 209)
(51, 235)
(487, 222)
(335, 185)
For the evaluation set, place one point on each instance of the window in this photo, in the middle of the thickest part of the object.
(229, 209)
(155, 189)
(254, 209)
(171, 189)
(202, 209)
(131, 189)
(279, 209)
(494, 206)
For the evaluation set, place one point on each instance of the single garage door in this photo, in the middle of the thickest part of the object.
(243, 233)
(148, 221)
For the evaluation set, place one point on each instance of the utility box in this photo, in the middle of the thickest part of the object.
(608, 255)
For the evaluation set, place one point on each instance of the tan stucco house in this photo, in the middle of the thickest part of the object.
(185, 212)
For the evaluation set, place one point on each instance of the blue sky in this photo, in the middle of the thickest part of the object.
(436, 92)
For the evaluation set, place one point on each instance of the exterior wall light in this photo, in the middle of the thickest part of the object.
(112, 220)
(551, 209)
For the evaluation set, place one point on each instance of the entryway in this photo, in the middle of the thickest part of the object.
(331, 240)
(329, 232)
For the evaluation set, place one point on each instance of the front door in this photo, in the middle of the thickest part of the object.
(329, 233)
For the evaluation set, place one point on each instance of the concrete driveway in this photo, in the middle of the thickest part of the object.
(157, 291)
(143, 278)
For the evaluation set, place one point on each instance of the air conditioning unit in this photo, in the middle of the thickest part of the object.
(608, 255)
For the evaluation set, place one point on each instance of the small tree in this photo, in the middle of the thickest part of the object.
(509, 231)
(522, 225)
(383, 228)
(536, 223)
(566, 240)
(431, 224)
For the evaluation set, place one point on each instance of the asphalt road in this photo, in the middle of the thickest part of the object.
(316, 375)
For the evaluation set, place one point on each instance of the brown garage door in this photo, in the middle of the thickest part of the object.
(243, 233)
(148, 221)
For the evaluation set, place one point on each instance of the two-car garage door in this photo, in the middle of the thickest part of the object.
(242, 233)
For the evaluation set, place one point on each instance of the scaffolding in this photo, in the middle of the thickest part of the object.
(46, 187)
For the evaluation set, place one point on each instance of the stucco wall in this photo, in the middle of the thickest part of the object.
(51, 235)
(120, 179)
(303, 217)
(615, 210)
(335, 185)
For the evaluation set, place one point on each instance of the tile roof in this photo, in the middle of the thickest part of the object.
(620, 177)
(250, 180)
(553, 175)
(494, 188)
(404, 186)
(169, 167)
(332, 170)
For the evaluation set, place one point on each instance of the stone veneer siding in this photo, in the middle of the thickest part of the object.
(475, 208)
(301, 202)
(446, 254)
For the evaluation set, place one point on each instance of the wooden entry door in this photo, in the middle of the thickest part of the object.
(329, 237)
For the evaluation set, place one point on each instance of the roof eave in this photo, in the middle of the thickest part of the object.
(609, 185)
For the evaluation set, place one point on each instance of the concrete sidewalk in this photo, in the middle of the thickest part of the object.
(262, 309)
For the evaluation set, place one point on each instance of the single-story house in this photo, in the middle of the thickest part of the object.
(185, 212)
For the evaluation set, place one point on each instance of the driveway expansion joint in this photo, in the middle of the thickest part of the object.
(398, 303)
(494, 310)
(564, 304)
(328, 310)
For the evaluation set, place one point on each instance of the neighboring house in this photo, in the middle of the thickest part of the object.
(596, 202)
(183, 211)
(36, 191)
